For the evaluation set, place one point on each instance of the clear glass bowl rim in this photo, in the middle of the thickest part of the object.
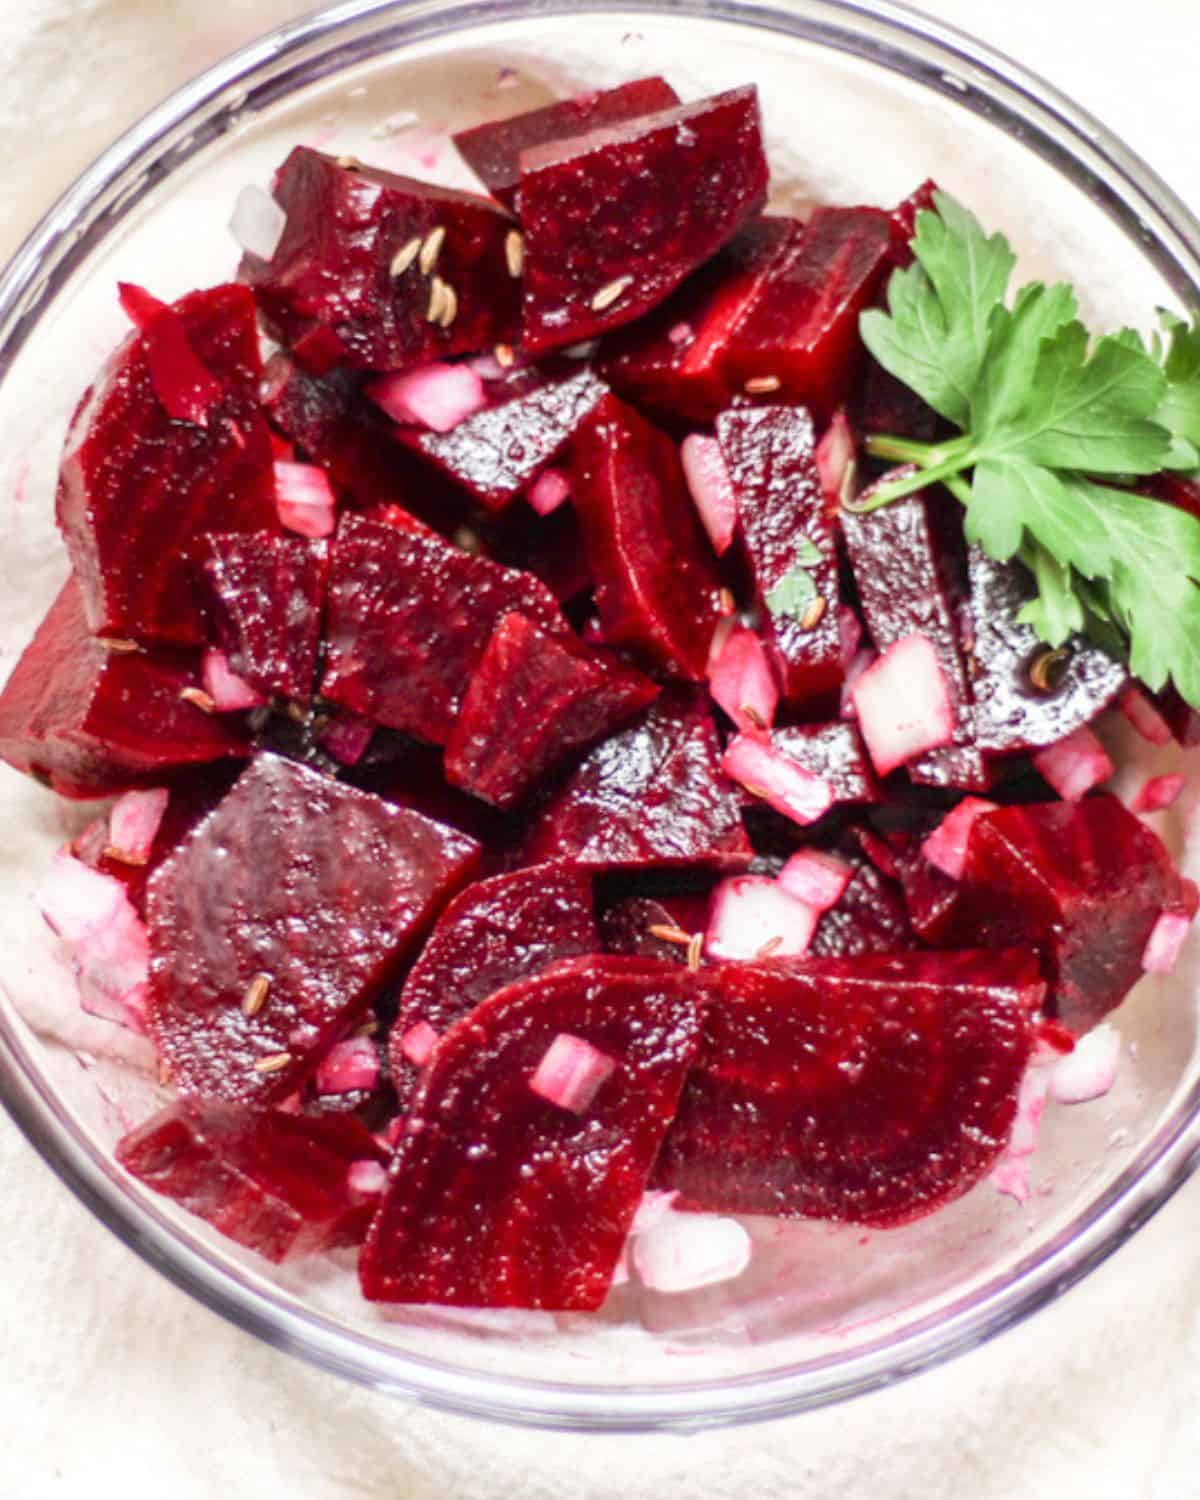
(947, 62)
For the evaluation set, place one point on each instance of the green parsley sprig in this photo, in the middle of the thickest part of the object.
(1055, 425)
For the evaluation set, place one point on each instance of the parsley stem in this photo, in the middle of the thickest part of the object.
(937, 463)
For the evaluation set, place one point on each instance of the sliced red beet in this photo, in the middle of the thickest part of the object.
(278, 1183)
(650, 795)
(657, 588)
(1082, 883)
(504, 1199)
(893, 554)
(788, 536)
(382, 272)
(834, 752)
(317, 886)
(671, 360)
(613, 220)
(186, 389)
(870, 1090)
(408, 618)
(138, 487)
(799, 341)
(1027, 696)
(92, 720)
(902, 221)
(870, 917)
(266, 597)
(534, 699)
(497, 452)
(493, 933)
(550, 547)
(493, 150)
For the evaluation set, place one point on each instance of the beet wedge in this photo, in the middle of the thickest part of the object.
(408, 619)
(615, 219)
(138, 486)
(788, 537)
(266, 597)
(280, 1184)
(493, 933)
(657, 588)
(651, 795)
(92, 719)
(869, 917)
(318, 887)
(503, 1198)
(870, 1090)
(834, 752)
(347, 284)
(534, 699)
(493, 150)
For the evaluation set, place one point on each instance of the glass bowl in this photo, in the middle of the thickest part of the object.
(862, 101)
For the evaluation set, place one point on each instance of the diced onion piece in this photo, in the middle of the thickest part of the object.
(1090, 1070)
(437, 396)
(711, 488)
(1158, 793)
(1144, 717)
(366, 1179)
(79, 902)
(781, 782)
(418, 1043)
(903, 704)
(1075, 764)
(133, 824)
(1166, 939)
(946, 846)
(1031, 1102)
(257, 222)
(858, 664)
(1011, 1176)
(834, 455)
(548, 491)
(106, 938)
(228, 691)
(303, 499)
(753, 916)
(571, 1073)
(349, 1065)
(816, 878)
(655, 1204)
(685, 1251)
(741, 681)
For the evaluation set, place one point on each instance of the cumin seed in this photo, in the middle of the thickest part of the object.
(762, 385)
(514, 252)
(256, 995)
(668, 934)
(432, 248)
(405, 256)
(274, 1062)
(200, 698)
(611, 293)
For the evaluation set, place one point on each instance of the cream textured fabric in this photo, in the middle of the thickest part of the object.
(116, 1384)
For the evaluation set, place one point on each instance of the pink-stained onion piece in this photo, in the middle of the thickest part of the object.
(1011, 1177)
(134, 822)
(711, 488)
(229, 692)
(571, 1073)
(753, 917)
(946, 846)
(347, 1066)
(685, 1251)
(1075, 764)
(781, 782)
(741, 681)
(418, 1043)
(303, 499)
(834, 457)
(903, 704)
(816, 878)
(1144, 717)
(1166, 939)
(366, 1179)
(437, 396)
(257, 222)
(105, 938)
(1157, 793)
(855, 668)
(1090, 1070)
(548, 491)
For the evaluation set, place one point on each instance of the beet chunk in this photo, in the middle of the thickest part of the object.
(318, 886)
(802, 329)
(493, 150)
(786, 530)
(626, 925)
(869, 917)
(1015, 710)
(505, 1199)
(266, 597)
(615, 219)
(867, 1089)
(408, 619)
(532, 700)
(834, 752)
(277, 1183)
(657, 587)
(138, 487)
(893, 553)
(1083, 883)
(650, 795)
(341, 289)
(497, 452)
(91, 720)
(493, 933)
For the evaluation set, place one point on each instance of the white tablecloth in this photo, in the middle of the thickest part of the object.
(114, 1383)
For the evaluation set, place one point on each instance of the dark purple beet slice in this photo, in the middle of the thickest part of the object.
(887, 405)
(92, 720)
(870, 917)
(534, 699)
(408, 619)
(497, 452)
(836, 753)
(626, 925)
(344, 286)
(670, 360)
(931, 896)
(902, 220)
(651, 795)
(550, 547)
(493, 150)
(410, 774)
(1018, 704)
(266, 594)
(493, 933)
(657, 587)
(615, 219)
(1082, 883)
(280, 1184)
(802, 330)
(785, 526)
(138, 487)
(505, 1199)
(868, 1089)
(894, 556)
(316, 885)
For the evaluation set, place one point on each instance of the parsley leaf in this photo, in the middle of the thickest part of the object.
(1179, 410)
(794, 592)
